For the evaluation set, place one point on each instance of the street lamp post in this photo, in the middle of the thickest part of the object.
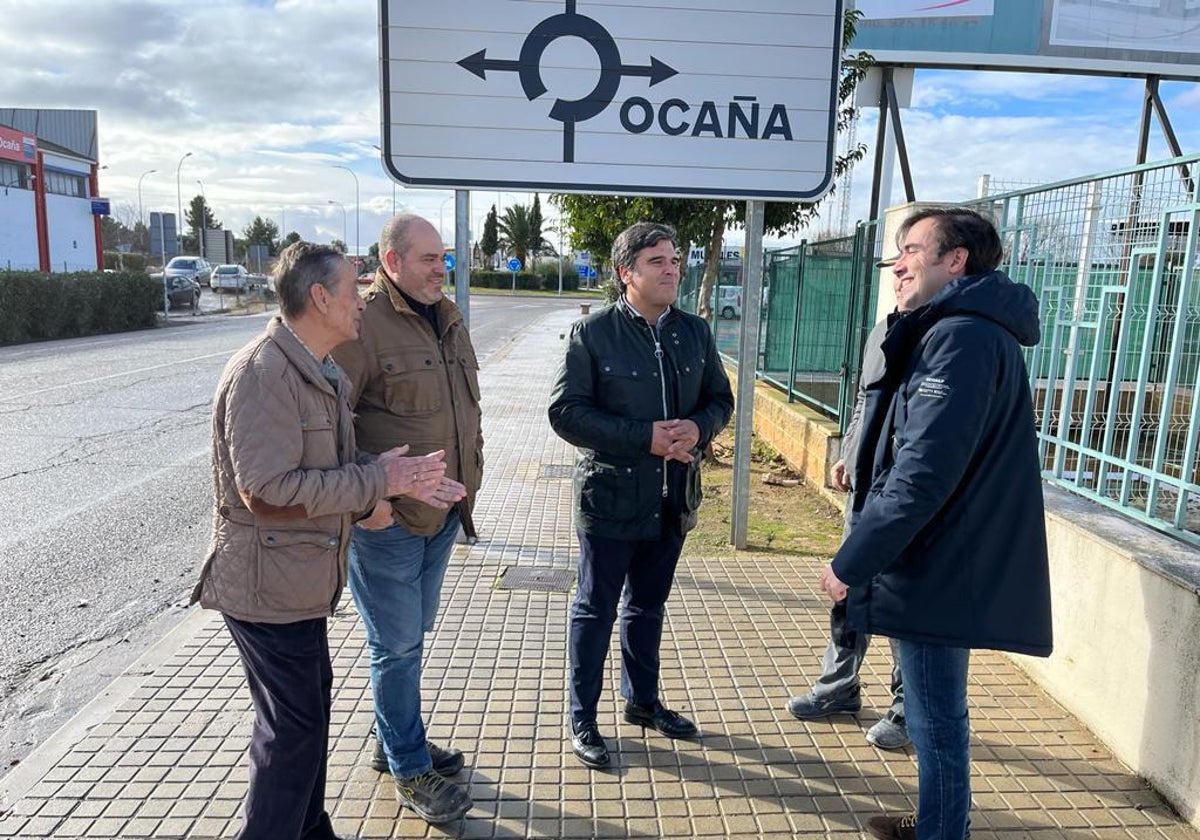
(141, 217)
(345, 235)
(380, 150)
(179, 203)
(442, 216)
(200, 221)
(357, 229)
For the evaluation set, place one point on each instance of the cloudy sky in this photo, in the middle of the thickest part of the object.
(271, 97)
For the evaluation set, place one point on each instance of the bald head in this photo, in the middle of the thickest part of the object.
(411, 250)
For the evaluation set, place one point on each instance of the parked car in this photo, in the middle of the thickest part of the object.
(181, 290)
(730, 305)
(231, 278)
(198, 268)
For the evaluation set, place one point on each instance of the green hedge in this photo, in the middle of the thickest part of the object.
(542, 281)
(36, 307)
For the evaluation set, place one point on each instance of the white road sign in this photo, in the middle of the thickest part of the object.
(700, 98)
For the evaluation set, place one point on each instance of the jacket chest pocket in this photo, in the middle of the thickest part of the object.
(465, 357)
(296, 570)
(689, 372)
(630, 390)
(320, 441)
(412, 383)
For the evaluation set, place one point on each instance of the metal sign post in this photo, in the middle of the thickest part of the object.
(747, 356)
(462, 254)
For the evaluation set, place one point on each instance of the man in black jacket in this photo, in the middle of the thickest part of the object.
(947, 551)
(641, 392)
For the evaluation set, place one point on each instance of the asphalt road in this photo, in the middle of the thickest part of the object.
(105, 496)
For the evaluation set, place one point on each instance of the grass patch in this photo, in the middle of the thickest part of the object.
(792, 521)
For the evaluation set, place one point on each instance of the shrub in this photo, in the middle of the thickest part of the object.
(36, 306)
(129, 261)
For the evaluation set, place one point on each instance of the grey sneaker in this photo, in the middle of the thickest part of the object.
(812, 707)
(887, 734)
(434, 799)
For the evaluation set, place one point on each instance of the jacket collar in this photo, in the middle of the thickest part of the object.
(626, 307)
(300, 356)
(447, 312)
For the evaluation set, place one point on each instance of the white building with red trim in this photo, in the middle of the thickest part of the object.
(49, 209)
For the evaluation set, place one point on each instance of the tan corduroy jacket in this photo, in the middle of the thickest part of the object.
(412, 387)
(287, 485)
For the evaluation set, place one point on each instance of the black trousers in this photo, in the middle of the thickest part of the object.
(644, 570)
(290, 677)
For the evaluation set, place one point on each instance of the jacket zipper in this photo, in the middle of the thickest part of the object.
(662, 379)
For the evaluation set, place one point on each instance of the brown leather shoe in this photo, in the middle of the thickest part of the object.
(894, 828)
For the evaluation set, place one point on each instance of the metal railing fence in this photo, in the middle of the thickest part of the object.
(818, 305)
(1115, 378)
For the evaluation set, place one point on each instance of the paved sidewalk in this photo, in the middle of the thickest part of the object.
(161, 753)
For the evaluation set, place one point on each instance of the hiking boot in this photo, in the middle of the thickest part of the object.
(657, 716)
(894, 828)
(888, 734)
(445, 762)
(588, 745)
(434, 799)
(812, 707)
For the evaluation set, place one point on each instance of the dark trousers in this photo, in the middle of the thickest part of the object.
(645, 569)
(287, 668)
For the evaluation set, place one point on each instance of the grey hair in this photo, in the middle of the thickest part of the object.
(301, 266)
(636, 238)
(395, 233)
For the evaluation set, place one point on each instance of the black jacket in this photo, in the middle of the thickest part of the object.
(948, 544)
(609, 391)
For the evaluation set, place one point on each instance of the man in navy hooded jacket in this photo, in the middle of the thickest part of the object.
(948, 546)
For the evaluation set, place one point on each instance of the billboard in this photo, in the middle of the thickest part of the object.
(163, 237)
(665, 97)
(1108, 37)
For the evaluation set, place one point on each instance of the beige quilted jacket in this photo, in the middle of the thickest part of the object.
(287, 485)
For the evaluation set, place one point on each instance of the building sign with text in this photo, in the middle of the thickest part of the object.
(17, 145)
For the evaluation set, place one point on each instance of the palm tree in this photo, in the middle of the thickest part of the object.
(518, 233)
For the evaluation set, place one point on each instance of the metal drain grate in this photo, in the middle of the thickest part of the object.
(558, 471)
(538, 579)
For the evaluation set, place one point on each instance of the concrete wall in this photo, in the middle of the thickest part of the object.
(1126, 601)
(1127, 642)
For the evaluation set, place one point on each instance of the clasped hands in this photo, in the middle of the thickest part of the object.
(421, 477)
(675, 440)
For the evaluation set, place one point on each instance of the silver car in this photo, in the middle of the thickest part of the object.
(197, 268)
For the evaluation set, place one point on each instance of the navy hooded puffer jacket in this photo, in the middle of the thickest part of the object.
(948, 544)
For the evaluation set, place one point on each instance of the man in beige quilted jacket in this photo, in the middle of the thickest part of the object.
(288, 482)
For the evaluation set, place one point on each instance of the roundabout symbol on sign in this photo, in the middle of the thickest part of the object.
(528, 68)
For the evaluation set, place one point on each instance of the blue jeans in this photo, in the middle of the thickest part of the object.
(396, 580)
(935, 686)
(644, 569)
